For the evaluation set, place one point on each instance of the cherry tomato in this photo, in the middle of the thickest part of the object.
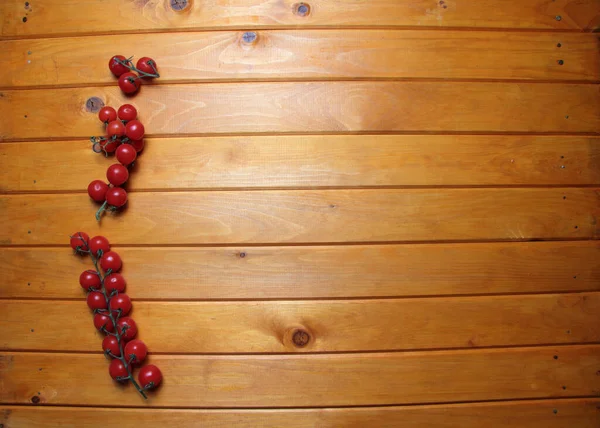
(97, 190)
(134, 130)
(99, 243)
(138, 145)
(117, 174)
(116, 196)
(110, 146)
(117, 370)
(122, 302)
(127, 328)
(115, 127)
(110, 260)
(116, 68)
(129, 83)
(89, 279)
(127, 112)
(147, 65)
(149, 376)
(126, 154)
(135, 351)
(95, 300)
(107, 114)
(79, 241)
(114, 282)
(110, 343)
(102, 320)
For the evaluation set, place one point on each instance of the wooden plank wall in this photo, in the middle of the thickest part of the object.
(412, 184)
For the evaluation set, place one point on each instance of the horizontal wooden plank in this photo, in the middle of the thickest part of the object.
(327, 326)
(307, 54)
(305, 216)
(315, 272)
(311, 380)
(580, 413)
(309, 107)
(311, 161)
(56, 16)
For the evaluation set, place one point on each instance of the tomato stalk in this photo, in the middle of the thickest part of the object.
(129, 64)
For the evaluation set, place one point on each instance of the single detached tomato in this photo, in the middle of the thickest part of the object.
(117, 174)
(107, 114)
(103, 321)
(135, 351)
(110, 260)
(79, 241)
(127, 327)
(117, 370)
(126, 154)
(97, 190)
(95, 300)
(129, 83)
(147, 65)
(138, 145)
(109, 146)
(116, 127)
(99, 243)
(111, 344)
(115, 67)
(134, 130)
(127, 112)
(90, 280)
(114, 282)
(149, 376)
(116, 197)
(120, 302)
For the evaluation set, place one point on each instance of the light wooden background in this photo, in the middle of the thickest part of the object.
(412, 183)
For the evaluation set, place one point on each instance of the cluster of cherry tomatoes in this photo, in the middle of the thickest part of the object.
(130, 76)
(125, 138)
(105, 288)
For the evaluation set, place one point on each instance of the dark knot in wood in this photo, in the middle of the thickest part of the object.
(179, 4)
(301, 338)
(94, 104)
(35, 399)
(302, 9)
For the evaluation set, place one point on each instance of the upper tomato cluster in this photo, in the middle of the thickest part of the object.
(130, 76)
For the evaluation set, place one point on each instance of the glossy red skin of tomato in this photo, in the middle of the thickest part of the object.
(117, 174)
(107, 114)
(95, 300)
(116, 127)
(134, 130)
(110, 260)
(97, 190)
(127, 112)
(117, 370)
(131, 330)
(147, 65)
(116, 68)
(79, 240)
(110, 343)
(110, 146)
(129, 83)
(89, 279)
(138, 349)
(103, 320)
(99, 243)
(126, 154)
(116, 197)
(114, 281)
(122, 302)
(149, 376)
(138, 145)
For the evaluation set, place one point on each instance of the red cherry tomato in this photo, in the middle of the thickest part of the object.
(134, 130)
(126, 154)
(127, 112)
(114, 282)
(149, 376)
(110, 343)
(147, 65)
(122, 302)
(99, 243)
(79, 241)
(110, 146)
(117, 174)
(111, 260)
(116, 127)
(95, 300)
(135, 351)
(129, 83)
(107, 114)
(97, 190)
(138, 145)
(89, 279)
(116, 196)
(102, 320)
(116, 68)
(127, 327)
(117, 370)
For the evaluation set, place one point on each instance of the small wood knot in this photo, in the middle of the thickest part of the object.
(556, 357)
(560, 62)
(35, 399)
(302, 9)
(24, 19)
(558, 45)
(242, 254)
(558, 17)
(301, 338)
(93, 104)
(179, 4)
(249, 37)
(555, 411)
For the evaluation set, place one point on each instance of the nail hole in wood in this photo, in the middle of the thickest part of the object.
(558, 17)
(29, 284)
(575, 277)
(556, 357)
(242, 254)
(576, 227)
(302, 9)
(32, 330)
(564, 387)
(94, 104)
(560, 62)
(29, 232)
(301, 338)
(558, 45)
(566, 117)
(179, 4)
(24, 19)
(555, 411)
(564, 197)
(568, 332)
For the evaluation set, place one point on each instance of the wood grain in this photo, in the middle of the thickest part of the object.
(311, 107)
(306, 54)
(311, 161)
(330, 326)
(315, 272)
(311, 380)
(53, 17)
(326, 216)
(580, 413)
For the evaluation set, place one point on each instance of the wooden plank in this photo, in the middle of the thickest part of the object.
(311, 161)
(330, 326)
(306, 216)
(310, 107)
(580, 413)
(53, 17)
(306, 54)
(315, 272)
(311, 380)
